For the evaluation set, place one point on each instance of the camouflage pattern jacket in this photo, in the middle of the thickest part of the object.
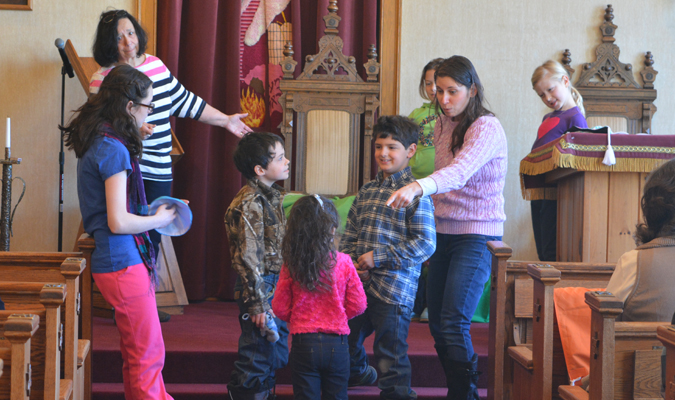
(255, 223)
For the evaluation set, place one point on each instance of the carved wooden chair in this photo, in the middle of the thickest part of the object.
(611, 94)
(323, 111)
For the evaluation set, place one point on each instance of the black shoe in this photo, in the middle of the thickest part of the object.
(163, 316)
(462, 378)
(368, 378)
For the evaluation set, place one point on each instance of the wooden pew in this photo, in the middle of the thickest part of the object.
(28, 297)
(18, 329)
(86, 245)
(625, 356)
(666, 334)
(532, 372)
(511, 309)
(65, 268)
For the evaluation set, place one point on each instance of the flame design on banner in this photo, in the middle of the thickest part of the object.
(254, 106)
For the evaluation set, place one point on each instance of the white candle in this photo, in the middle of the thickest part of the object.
(8, 134)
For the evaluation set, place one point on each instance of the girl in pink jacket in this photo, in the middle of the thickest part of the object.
(317, 293)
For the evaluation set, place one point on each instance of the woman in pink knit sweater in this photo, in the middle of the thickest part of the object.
(467, 188)
(318, 291)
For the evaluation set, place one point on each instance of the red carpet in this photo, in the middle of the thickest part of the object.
(201, 347)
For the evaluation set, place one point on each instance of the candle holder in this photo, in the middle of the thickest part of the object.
(5, 214)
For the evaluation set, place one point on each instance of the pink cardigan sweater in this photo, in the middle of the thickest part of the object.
(470, 197)
(321, 311)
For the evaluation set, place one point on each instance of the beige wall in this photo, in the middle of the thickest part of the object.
(30, 93)
(507, 40)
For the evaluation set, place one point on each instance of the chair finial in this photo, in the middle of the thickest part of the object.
(609, 13)
(332, 19)
(566, 61)
(607, 28)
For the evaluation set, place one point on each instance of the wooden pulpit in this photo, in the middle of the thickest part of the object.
(598, 204)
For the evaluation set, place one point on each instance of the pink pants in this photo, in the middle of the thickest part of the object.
(133, 296)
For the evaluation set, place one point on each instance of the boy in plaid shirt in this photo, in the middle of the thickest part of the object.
(388, 246)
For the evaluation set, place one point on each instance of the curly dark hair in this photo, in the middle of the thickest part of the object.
(461, 70)
(105, 43)
(308, 249)
(658, 205)
(109, 105)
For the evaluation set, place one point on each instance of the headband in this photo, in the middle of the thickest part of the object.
(318, 198)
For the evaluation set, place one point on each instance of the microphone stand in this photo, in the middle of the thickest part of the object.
(62, 157)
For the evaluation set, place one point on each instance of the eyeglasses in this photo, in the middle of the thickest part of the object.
(151, 106)
(112, 15)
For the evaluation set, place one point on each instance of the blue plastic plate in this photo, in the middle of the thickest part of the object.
(183, 220)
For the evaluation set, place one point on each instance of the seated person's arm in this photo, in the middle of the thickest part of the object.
(622, 282)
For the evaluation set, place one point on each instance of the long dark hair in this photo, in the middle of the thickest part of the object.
(105, 44)
(658, 205)
(308, 249)
(461, 70)
(109, 105)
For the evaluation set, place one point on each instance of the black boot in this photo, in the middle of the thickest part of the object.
(462, 378)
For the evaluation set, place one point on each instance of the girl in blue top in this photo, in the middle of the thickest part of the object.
(106, 139)
(552, 84)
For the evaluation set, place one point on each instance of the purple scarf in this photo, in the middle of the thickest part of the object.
(137, 204)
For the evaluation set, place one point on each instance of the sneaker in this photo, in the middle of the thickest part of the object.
(424, 317)
(163, 316)
(368, 378)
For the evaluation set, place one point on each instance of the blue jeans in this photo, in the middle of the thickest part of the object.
(390, 323)
(259, 359)
(320, 366)
(458, 271)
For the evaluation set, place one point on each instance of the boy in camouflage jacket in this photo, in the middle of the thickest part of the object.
(255, 223)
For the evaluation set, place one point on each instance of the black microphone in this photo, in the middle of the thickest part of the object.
(66, 64)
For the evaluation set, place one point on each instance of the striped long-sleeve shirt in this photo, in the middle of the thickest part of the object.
(170, 99)
(401, 239)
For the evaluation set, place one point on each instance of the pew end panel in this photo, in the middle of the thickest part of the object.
(511, 312)
(625, 356)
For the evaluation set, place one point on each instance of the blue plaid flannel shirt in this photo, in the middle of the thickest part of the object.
(401, 239)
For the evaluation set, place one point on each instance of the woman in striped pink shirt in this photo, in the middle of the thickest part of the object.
(467, 189)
